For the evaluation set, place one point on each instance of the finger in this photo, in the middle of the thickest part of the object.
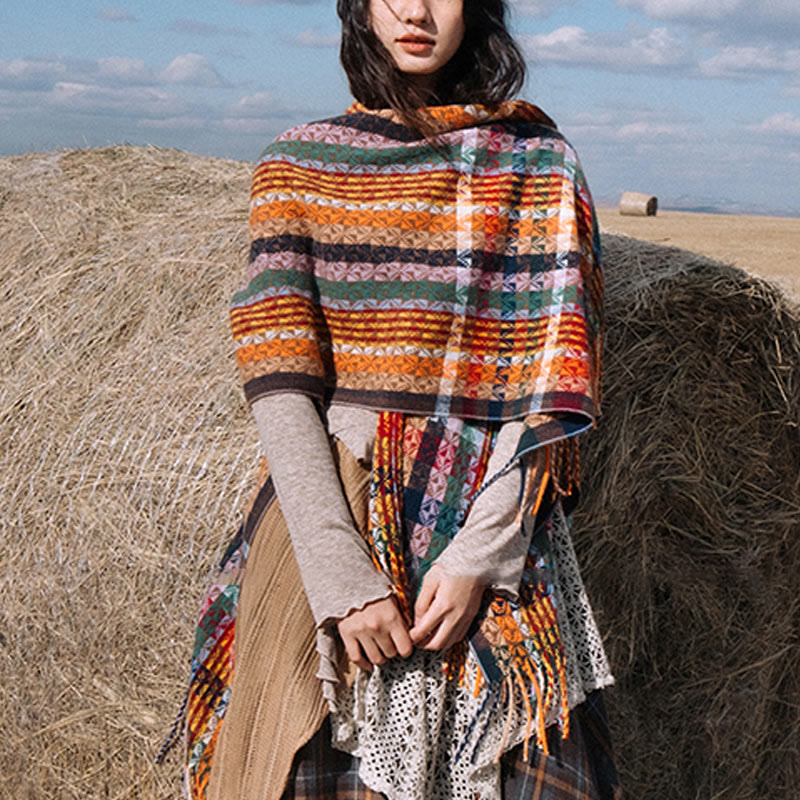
(372, 651)
(386, 644)
(425, 625)
(426, 594)
(441, 636)
(454, 627)
(392, 634)
(403, 643)
(355, 654)
(458, 634)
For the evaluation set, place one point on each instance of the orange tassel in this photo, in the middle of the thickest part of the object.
(479, 681)
(528, 711)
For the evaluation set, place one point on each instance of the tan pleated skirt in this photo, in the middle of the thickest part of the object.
(276, 701)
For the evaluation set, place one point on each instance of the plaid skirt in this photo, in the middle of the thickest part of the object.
(578, 768)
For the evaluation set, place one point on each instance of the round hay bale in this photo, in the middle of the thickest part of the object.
(127, 452)
(688, 528)
(635, 204)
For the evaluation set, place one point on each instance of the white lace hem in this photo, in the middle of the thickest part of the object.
(421, 737)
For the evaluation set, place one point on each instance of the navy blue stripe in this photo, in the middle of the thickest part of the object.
(284, 382)
(371, 254)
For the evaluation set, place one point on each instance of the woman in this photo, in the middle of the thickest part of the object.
(419, 340)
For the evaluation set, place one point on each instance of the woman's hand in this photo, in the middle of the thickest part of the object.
(445, 608)
(375, 633)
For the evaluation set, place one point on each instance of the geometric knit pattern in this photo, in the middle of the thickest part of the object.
(426, 475)
(451, 276)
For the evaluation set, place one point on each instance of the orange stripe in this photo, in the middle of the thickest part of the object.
(487, 187)
(423, 366)
(284, 312)
(492, 224)
(266, 350)
(291, 175)
(332, 215)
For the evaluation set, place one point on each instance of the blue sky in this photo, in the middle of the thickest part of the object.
(695, 101)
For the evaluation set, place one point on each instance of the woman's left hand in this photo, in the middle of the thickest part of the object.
(445, 608)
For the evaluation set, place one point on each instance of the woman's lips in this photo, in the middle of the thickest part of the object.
(416, 45)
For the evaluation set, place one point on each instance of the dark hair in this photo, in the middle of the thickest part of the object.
(488, 67)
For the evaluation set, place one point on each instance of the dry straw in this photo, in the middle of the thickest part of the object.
(127, 453)
(690, 529)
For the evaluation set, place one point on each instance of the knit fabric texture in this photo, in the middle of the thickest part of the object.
(425, 474)
(451, 276)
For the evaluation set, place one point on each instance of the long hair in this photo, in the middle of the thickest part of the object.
(488, 67)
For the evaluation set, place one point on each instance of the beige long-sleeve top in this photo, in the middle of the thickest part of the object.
(296, 445)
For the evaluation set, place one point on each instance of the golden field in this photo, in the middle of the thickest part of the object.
(767, 246)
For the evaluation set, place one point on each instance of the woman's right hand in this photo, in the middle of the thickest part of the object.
(374, 634)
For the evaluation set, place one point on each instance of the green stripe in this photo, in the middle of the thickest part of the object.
(275, 279)
(408, 291)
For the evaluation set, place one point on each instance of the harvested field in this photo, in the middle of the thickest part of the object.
(127, 454)
(767, 246)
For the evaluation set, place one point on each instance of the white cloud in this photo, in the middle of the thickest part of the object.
(630, 51)
(263, 113)
(636, 125)
(783, 124)
(313, 37)
(129, 102)
(751, 62)
(539, 8)
(661, 49)
(192, 69)
(115, 15)
(125, 70)
(677, 9)
(32, 73)
(741, 20)
(640, 131)
(262, 104)
(255, 105)
(715, 9)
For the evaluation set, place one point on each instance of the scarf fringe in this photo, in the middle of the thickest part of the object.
(550, 472)
(533, 665)
(386, 522)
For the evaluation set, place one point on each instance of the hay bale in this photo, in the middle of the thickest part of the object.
(127, 451)
(635, 204)
(689, 526)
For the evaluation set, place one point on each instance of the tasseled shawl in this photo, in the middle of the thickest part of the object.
(456, 275)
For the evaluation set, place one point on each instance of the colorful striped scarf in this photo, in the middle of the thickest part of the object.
(453, 280)
(426, 474)
(451, 276)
